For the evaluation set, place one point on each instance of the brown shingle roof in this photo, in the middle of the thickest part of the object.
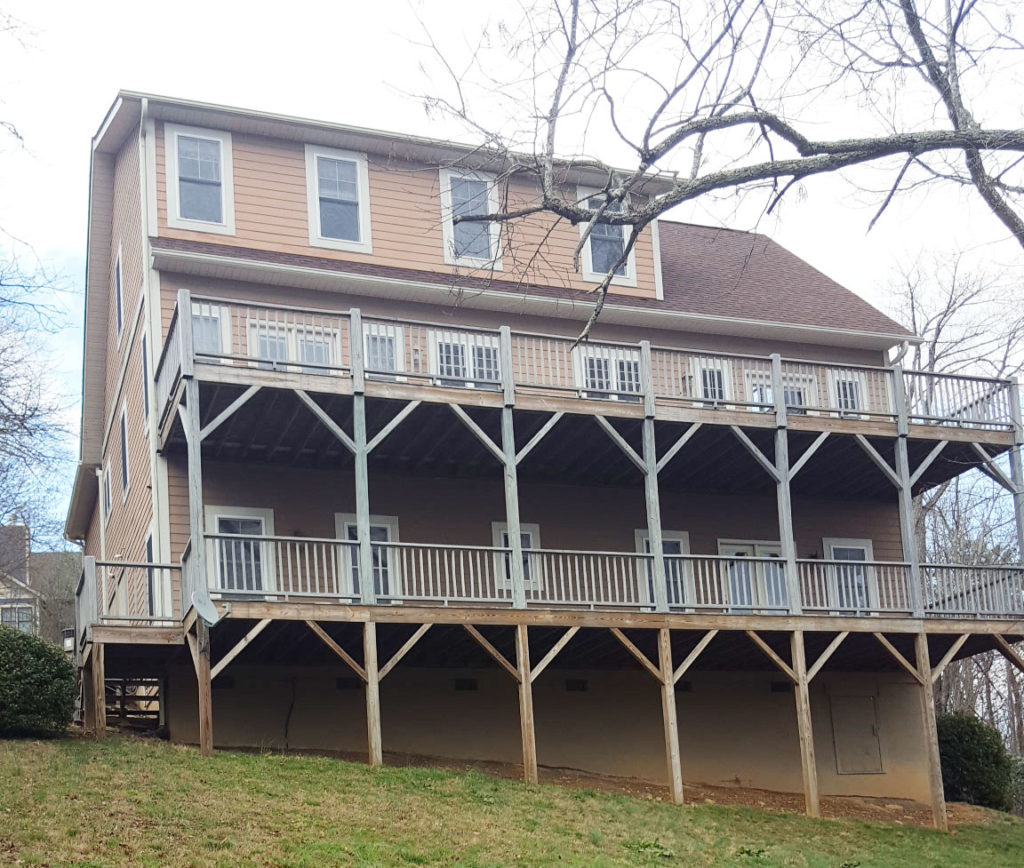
(706, 271)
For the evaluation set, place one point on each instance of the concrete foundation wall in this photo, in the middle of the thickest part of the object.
(733, 728)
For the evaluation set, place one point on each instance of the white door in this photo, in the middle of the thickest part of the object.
(679, 585)
(241, 564)
(752, 584)
(383, 531)
(850, 583)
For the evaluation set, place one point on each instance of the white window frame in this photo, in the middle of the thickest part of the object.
(126, 475)
(834, 378)
(758, 379)
(467, 340)
(759, 581)
(502, 575)
(227, 187)
(144, 356)
(223, 314)
(448, 227)
(293, 332)
(828, 546)
(613, 355)
(105, 493)
(268, 574)
(119, 292)
(364, 243)
(395, 333)
(17, 607)
(584, 194)
(699, 364)
(642, 537)
(342, 522)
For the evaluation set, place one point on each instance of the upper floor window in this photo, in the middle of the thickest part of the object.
(118, 292)
(338, 193)
(105, 490)
(200, 193)
(604, 245)
(125, 481)
(145, 378)
(472, 242)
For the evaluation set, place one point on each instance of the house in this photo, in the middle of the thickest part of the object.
(348, 482)
(19, 601)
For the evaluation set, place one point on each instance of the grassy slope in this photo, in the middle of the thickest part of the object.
(134, 803)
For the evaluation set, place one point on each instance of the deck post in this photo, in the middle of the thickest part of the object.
(526, 704)
(373, 739)
(652, 496)
(367, 591)
(783, 497)
(1017, 466)
(804, 724)
(931, 736)
(203, 680)
(906, 497)
(98, 690)
(517, 572)
(195, 486)
(669, 714)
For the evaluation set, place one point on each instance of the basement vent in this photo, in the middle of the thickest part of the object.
(782, 687)
(575, 685)
(347, 683)
(684, 687)
(466, 684)
(223, 682)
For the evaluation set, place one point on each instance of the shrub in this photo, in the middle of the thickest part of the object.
(37, 686)
(975, 765)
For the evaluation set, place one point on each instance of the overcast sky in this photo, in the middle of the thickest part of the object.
(348, 62)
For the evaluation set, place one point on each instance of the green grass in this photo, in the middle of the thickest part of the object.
(124, 802)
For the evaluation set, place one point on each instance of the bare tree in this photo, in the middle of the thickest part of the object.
(730, 97)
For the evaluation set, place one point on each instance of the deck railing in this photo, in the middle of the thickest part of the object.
(125, 593)
(282, 568)
(312, 341)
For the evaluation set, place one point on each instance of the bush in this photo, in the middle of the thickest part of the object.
(975, 765)
(37, 686)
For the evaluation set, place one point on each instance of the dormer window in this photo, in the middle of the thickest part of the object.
(338, 195)
(605, 244)
(200, 192)
(473, 243)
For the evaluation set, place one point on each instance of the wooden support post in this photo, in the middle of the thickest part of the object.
(196, 521)
(906, 498)
(783, 500)
(652, 497)
(805, 726)
(931, 737)
(669, 715)
(1017, 467)
(98, 688)
(202, 662)
(372, 693)
(526, 704)
(367, 592)
(512, 524)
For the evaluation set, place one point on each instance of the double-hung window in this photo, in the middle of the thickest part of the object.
(242, 560)
(605, 244)
(200, 190)
(848, 393)
(799, 392)
(211, 330)
(338, 194)
(475, 243)
(467, 359)
(20, 618)
(105, 485)
(609, 373)
(383, 350)
(119, 293)
(145, 378)
(125, 481)
(711, 380)
(312, 349)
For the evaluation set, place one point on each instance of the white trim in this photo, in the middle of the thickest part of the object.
(226, 225)
(106, 496)
(146, 392)
(364, 243)
(126, 472)
(119, 293)
(213, 514)
(342, 522)
(501, 572)
(582, 353)
(584, 194)
(828, 546)
(448, 228)
(659, 286)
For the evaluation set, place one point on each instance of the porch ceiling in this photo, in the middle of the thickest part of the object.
(275, 427)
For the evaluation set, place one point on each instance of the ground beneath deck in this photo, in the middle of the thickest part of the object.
(897, 811)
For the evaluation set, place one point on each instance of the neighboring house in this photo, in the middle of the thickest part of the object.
(55, 577)
(19, 602)
(348, 482)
